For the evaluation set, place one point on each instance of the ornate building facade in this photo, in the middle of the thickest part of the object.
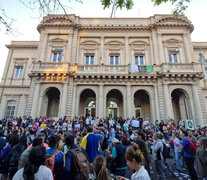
(107, 67)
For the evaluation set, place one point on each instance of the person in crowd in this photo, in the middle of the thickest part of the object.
(17, 151)
(157, 149)
(68, 157)
(118, 155)
(90, 145)
(143, 149)
(135, 160)
(201, 158)
(6, 154)
(99, 168)
(55, 144)
(176, 150)
(42, 136)
(24, 157)
(2, 140)
(190, 135)
(189, 159)
(30, 137)
(35, 168)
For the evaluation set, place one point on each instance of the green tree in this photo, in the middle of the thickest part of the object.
(180, 5)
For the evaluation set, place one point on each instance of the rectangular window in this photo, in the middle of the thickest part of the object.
(114, 60)
(89, 60)
(57, 55)
(139, 60)
(173, 56)
(10, 109)
(18, 71)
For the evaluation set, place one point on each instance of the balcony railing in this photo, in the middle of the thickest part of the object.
(180, 67)
(50, 67)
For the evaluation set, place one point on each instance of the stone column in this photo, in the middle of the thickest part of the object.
(161, 52)
(168, 103)
(64, 100)
(77, 104)
(100, 101)
(3, 107)
(73, 101)
(69, 49)
(127, 50)
(129, 101)
(186, 47)
(156, 103)
(152, 60)
(39, 113)
(44, 47)
(105, 112)
(35, 100)
(125, 106)
(152, 109)
(197, 107)
(102, 50)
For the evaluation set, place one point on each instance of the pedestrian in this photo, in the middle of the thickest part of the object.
(35, 168)
(157, 149)
(176, 150)
(201, 158)
(99, 168)
(90, 144)
(118, 155)
(189, 159)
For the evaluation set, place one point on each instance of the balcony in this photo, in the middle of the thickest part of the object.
(102, 69)
(166, 68)
(50, 67)
(180, 68)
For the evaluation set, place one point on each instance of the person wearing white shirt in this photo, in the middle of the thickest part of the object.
(35, 169)
(135, 124)
(87, 121)
(134, 159)
(126, 126)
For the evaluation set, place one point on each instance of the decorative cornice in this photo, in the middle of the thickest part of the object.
(29, 46)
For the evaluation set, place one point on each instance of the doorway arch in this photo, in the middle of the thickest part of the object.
(114, 104)
(87, 104)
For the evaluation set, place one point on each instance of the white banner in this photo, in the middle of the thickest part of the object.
(190, 125)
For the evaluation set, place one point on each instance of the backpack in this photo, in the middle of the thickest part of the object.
(104, 146)
(193, 147)
(166, 151)
(50, 160)
(80, 165)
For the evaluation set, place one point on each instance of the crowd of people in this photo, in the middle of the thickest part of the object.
(102, 149)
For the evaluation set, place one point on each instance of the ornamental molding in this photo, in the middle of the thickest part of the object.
(27, 46)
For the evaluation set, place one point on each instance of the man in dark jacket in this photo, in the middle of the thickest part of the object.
(68, 169)
(2, 140)
(118, 153)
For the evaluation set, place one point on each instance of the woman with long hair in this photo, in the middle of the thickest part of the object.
(201, 158)
(17, 150)
(135, 160)
(6, 154)
(35, 168)
(99, 168)
(143, 148)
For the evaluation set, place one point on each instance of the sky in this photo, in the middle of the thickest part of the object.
(26, 20)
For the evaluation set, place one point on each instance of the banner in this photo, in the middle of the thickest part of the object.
(135, 68)
(190, 125)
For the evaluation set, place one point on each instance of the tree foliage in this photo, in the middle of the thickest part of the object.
(55, 6)
(43, 6)
(180, 5)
